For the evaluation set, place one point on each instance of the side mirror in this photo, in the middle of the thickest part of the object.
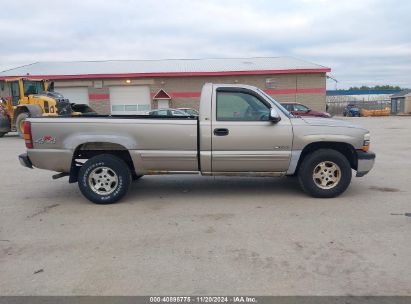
(274, 116)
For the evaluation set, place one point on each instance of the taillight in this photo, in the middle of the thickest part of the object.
(27, 135)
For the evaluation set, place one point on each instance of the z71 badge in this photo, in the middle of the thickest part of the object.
(46, 139)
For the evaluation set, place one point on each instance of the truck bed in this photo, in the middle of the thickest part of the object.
(154, 143)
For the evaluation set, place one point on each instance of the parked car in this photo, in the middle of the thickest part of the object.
(168, 112)
(352, 110)
(299, 109)
(241, 131)
(189, 111)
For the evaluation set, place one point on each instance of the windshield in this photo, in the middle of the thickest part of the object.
(279, 106)
(32, 87)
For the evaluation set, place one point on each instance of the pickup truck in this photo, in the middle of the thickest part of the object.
(241, 131)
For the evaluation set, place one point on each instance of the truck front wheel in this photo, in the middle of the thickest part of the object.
(325, 173)
(104, 179)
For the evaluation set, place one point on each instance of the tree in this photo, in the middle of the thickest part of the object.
(377, 87)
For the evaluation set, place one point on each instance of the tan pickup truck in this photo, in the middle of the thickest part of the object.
(241, 131)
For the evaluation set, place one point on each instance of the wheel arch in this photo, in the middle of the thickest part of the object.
(87, 150)
(344, 148)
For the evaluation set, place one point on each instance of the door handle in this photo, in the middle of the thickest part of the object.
(221, 132)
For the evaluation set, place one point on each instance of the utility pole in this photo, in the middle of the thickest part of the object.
(335, 80)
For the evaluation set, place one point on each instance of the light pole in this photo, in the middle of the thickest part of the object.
(335, 80)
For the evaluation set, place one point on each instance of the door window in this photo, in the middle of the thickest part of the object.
(177, 113)
(15, 92)
(162, 113)
(238, 106)
(300, 108)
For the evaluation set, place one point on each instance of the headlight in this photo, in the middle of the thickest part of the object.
(366, 142)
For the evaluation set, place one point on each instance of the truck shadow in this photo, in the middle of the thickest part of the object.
(11, 134)
(189, 186)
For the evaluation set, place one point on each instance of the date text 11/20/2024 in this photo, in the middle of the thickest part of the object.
(203, 299)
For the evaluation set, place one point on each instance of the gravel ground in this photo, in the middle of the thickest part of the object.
(202, 235)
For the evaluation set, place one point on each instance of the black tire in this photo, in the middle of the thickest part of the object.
(19, 120)
(113, 165)
(325, 157)
(2, 134)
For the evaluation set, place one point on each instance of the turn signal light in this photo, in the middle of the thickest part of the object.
(366, 142)
(27, 135)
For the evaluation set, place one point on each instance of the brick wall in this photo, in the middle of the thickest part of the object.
(100, 106)
(99, 100)
(289, 83)
(284, 82)
(185, 103)
(4, 89)
(407, 104)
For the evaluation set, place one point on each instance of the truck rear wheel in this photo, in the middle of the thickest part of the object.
(104, 179)
(20, 122)
(325, 173)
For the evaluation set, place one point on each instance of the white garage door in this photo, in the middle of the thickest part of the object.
(130, 100)
(74, 94)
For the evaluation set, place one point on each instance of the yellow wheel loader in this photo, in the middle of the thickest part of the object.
(34, 98)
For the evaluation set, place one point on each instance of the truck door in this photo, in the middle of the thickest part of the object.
(15, 92)
(243, 138)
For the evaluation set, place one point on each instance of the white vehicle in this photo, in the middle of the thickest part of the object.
(168, 112)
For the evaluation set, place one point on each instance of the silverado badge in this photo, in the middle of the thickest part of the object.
(46, 139)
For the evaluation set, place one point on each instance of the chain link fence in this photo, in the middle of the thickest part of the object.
(337, 104)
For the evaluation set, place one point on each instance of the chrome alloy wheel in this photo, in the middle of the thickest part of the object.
(103, 180)
(327, 175)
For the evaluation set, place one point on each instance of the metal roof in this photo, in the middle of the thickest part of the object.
(360, 92)
(403, 93)
(167, 67)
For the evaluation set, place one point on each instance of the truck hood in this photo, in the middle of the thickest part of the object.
(314, 121)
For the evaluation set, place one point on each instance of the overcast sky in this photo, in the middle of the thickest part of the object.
(364, 42)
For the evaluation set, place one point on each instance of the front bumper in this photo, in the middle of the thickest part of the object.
(25, 161)
(365, 162)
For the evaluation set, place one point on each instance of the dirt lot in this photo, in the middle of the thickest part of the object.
(196, 235)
